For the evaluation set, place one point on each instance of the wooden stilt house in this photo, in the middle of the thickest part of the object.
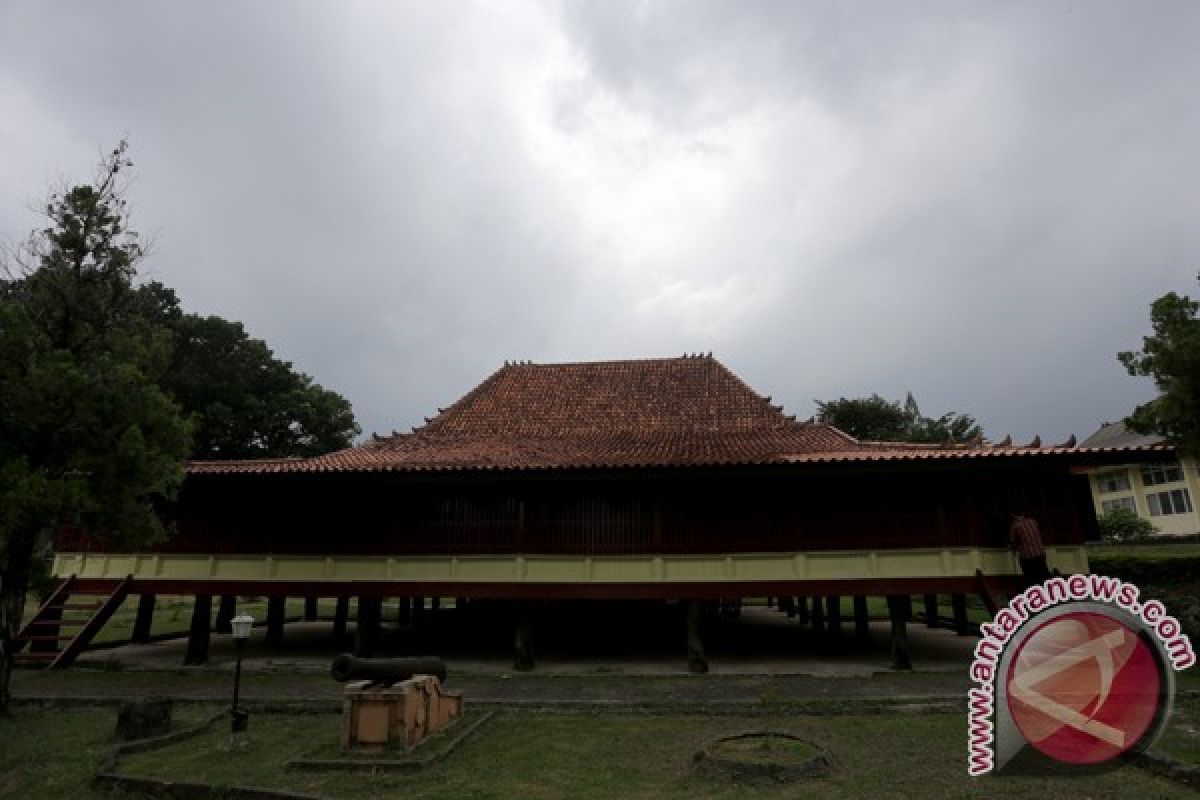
(662, 478)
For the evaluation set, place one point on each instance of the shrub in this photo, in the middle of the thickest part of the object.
(1123, 525)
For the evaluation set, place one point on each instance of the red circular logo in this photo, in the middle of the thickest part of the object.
(1083, 688)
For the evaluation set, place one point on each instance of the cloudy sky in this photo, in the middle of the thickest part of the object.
(974, 202)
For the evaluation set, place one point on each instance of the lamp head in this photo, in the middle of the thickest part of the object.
(241, 625)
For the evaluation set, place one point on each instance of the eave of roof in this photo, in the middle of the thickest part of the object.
(1082, 455)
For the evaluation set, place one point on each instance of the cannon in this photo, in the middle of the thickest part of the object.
(390, 702)
(386, 671)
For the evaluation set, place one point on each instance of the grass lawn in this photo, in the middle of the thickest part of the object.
(53, 754)
(1181, 739)
(637, 756)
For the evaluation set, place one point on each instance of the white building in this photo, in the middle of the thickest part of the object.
(1164, 493)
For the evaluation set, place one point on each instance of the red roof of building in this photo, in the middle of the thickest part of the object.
(689, 411)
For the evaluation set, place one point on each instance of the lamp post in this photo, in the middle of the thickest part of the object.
(241, 625)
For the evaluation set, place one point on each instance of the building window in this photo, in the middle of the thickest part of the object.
(1120, 502)
(1114, 481)
(1161, 473)
(1176, 501)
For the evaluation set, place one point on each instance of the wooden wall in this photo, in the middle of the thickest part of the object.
(648, 512)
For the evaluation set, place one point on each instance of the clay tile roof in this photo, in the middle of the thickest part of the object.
(689, 411)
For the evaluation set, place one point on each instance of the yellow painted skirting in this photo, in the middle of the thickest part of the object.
(532, 568)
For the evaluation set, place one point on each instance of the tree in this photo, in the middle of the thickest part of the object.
(868, 418)
(246, 402)
(87, 437)
(875, 419)
(1123, 525)
(242, 400)
(1171, 356)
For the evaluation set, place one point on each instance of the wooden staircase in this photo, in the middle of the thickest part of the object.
(66, 623)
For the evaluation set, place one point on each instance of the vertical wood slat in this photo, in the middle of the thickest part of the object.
(631, 515)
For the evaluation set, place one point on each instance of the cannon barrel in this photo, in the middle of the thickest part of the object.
(386, 670)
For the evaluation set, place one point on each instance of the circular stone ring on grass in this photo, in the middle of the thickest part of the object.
(763, 755)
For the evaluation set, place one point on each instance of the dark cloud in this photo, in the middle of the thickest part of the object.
(975, 202)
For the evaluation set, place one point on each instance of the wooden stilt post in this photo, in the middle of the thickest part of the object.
(275, 610)
(225, 612)
(899, 610)
(697, 662)
(435, 603)
(340, 613)
(802, 610)
(404, 613)
(198, 632)
(367, 631)
(958, 602)
(833, 615)
(862, 623)
(418, 610)
(788, 606)
(311, 610)
(818, 615)
(144, 620)
(931, 610)
(523, 660)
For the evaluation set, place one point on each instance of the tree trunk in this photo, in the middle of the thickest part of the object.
(14, 582)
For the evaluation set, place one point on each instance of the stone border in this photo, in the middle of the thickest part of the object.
(154, 742)
(1168, 767)
(781, 773)
(197, 791)
(107, 777)
(368, 764)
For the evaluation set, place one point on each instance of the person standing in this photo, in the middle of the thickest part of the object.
(1026, 538)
